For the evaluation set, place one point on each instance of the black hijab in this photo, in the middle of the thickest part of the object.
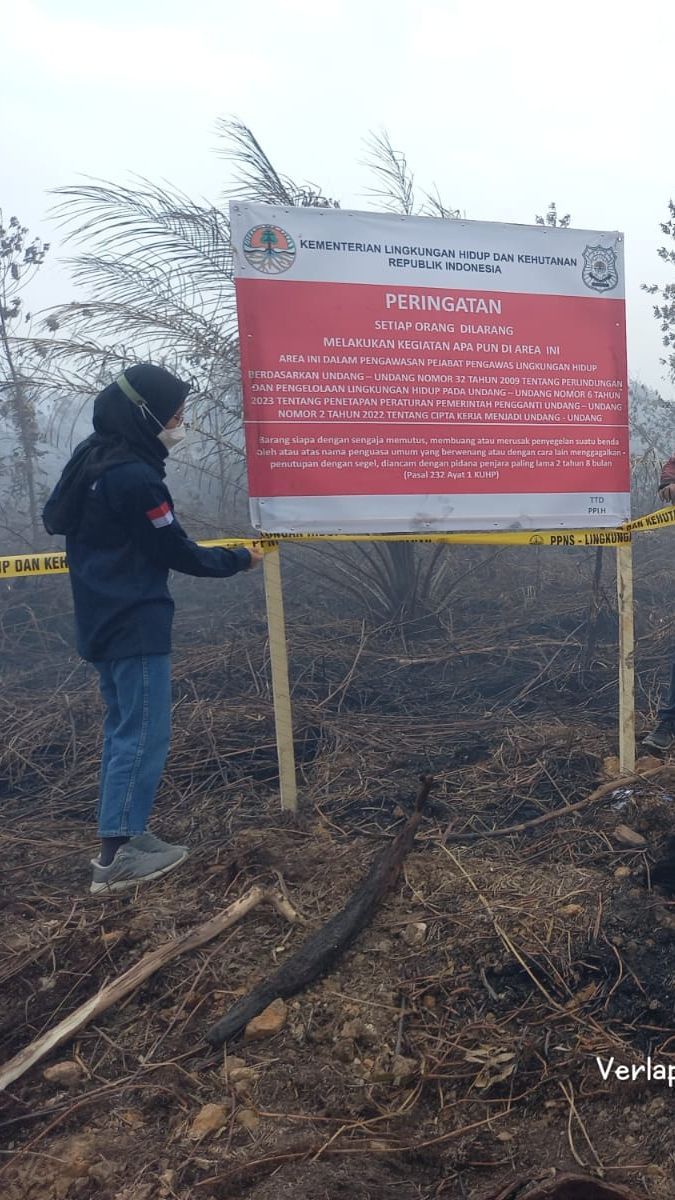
(124, 431)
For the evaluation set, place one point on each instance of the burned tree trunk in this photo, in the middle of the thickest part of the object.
(324, 947)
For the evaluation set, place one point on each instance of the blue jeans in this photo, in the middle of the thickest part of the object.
(136, 737)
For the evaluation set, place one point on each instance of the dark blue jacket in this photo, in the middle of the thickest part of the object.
(127, 541)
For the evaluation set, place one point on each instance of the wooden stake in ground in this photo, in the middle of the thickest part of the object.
(283, 717)
(322, 949)
(624, 590)
(136, 975)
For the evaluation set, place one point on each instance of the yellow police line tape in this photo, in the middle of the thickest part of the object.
(18, 566)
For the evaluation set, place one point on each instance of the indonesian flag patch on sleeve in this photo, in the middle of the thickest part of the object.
(160, 516)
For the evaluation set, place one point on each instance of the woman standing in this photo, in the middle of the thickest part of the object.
(122, 539)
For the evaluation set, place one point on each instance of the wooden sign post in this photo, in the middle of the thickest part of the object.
(283, 717)
(624, 590)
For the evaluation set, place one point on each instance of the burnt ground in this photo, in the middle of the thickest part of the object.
(453, 1049)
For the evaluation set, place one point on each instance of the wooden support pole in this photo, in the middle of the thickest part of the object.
(283, 717)
(624, 589)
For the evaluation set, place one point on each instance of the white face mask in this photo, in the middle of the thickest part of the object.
(171, 438)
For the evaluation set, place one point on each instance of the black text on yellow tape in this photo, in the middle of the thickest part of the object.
(18, 566)
(582, 537)
(15, 566)
(655, 520)
(516, 537)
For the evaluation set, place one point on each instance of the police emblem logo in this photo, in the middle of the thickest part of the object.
(536, 540)
(599, 270)
(269, 249)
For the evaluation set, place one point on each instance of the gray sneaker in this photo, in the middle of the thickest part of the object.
(132, 865)
(151, 844)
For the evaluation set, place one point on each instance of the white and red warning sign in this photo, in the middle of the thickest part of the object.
(408, 374)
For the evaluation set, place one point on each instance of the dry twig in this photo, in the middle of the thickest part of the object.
(131, 979)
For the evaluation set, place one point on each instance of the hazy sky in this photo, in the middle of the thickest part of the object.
(503, 106)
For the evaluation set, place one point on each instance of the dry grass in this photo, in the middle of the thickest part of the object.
(443, 1062)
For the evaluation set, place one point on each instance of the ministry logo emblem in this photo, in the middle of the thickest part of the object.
(269, 249)
(599, 270)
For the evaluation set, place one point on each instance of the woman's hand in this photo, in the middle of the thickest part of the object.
(256, 557)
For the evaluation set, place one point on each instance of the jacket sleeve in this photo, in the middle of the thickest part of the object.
(147, 510)
(668, 473)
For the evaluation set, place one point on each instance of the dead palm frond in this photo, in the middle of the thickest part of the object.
(434, 206)
(395, 182)
(255, 176)
(156, 227)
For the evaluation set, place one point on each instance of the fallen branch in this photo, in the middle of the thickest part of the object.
(564, 1187)
(136, 975)
(384, 1144)
(607, 788)
(322, 949)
